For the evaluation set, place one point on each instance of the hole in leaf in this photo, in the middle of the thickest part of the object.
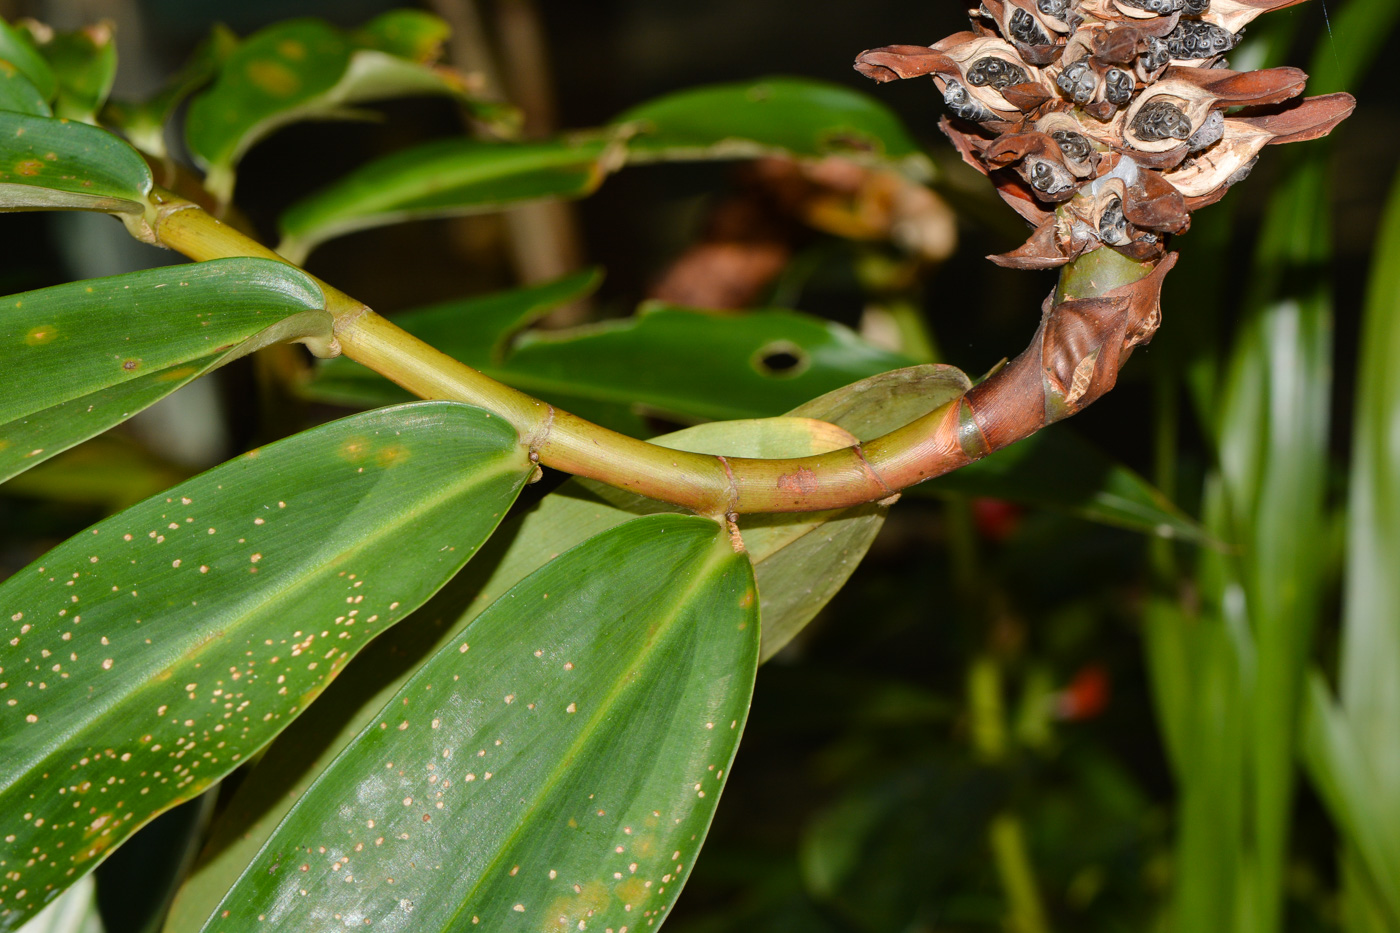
(781, 360)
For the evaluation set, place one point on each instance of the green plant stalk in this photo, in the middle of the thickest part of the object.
(1002, 409)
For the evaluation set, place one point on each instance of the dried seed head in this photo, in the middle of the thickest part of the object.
(1104, 122)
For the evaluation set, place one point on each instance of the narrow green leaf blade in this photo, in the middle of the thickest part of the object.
(146, 658)
(84, 65)
(17, 48)
(790, 116)
(442, 178)
(144, 122)
(560, 765)
(304, 69)
(53, 164)
(62, 342)
(18, 93)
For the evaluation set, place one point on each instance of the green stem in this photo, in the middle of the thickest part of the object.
(1000, 410)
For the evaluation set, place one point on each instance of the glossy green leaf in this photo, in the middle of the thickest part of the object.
(144, 122)
(53, 164)
(147, 657)
(84, 64)
(798, 563)
(559, 764)
(1058, 469)
(297, 70)
(18, 93)
(450, 177)
(774, 116)
(87, 355)
(443, 178)
(17, 48)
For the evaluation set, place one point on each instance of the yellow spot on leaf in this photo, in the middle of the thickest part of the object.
(273, 77)
(40, 335)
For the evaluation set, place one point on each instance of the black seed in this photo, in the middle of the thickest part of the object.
(1193, 40)
(1118, 86)
(1160, 7)
(996, 73)
(1025, 29)
(1113, 226)
(964, 105)
(1078, 82)
(1195, 7)
(1055, 9)
(1241, 173)
(1156, 56)
(1049, 178)
(1210, 132)
(1074, 146)
(1161, 119)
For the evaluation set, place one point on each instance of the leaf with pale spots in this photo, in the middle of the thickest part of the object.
(799, 561)
(306, 69)
(144, 659)
(52, 164)
(447, 177)
(85, 356)
(555, 767)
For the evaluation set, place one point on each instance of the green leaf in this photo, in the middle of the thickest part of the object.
(298, 70)
(444, 178)
(408, 34)
(578, 733)
(774, 116)
(1342, 766)
(148, 657)
(784, 116)
(87, 355)
(1057, 469)
(50, 164)
(84, 64)
(17, 48)
(1350, 751)
(757, 364)
(18, 93)
(782, 556)
(144, 122)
